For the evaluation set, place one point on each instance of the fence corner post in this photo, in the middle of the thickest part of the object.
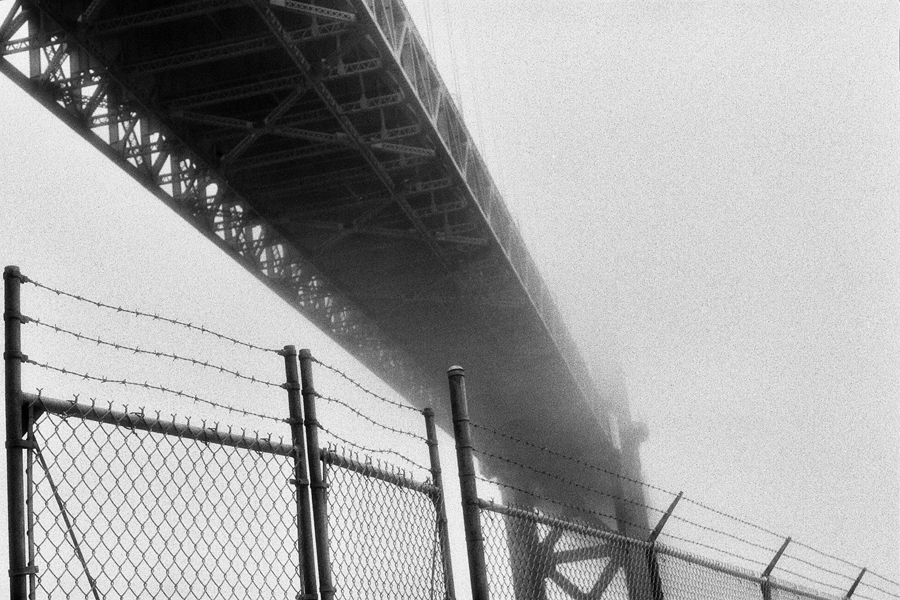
(305, 541)
(316, 478)
(440, 502)
(468, 488)
(15, 432)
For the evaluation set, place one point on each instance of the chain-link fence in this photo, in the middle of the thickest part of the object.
(384, 532)
(535, 556)
(129, 505)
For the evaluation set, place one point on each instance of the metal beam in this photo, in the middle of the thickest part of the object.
(163, 15)
(340, 113)
(317, 11)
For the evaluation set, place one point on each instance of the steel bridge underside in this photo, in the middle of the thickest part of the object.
(318, 146)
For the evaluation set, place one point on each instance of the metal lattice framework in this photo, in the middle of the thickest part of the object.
(316, 143)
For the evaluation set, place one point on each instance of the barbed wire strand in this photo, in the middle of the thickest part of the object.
(577, 461)
(580, 509)
(875, 587)
(337, 371)
(846, 562)
(882, 577)
(155, 317)
(653, 487)
(815, 566)
(732, 517)
(620, 498)
(156, 353)
(373, 450)
(151, 386)
(714, 548)
(796, 543)
(362, 415)
(781, 569)
(563, 479)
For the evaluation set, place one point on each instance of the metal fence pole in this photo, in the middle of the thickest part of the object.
(656, 589)
(765, 586)
(316, 479)
(306, 543)
(440, 502)
(855, 583)
(468, 489)
(15, 431)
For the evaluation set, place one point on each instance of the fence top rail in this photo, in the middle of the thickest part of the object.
(659, 548)
(334, 458)
(554, 521)
(154, 423)
(775, 584)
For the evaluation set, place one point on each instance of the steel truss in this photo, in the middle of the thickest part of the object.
(294, 133)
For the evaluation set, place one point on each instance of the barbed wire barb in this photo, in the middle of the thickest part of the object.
(154, 353)
(352, 381)
(152, 316)
(373, 450)
(151, 386)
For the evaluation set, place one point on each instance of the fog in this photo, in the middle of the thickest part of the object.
(710, 190)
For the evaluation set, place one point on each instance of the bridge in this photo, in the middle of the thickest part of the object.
(316, 143)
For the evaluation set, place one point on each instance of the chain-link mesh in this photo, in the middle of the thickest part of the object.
(383, 531)
(123, 513)
(534, 556)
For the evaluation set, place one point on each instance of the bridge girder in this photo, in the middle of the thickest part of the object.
(325, 155)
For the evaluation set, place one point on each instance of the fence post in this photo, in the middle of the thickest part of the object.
(855, 583)
(440, 504)
(656, 589)
(468, 489)
(764, 584)
(15, 444)
(316, 479)
(306, 543)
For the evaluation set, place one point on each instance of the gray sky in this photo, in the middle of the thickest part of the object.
(711, 191)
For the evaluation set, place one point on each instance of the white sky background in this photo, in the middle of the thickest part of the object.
(710, 189)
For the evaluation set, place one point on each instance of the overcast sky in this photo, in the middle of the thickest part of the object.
(711, 191)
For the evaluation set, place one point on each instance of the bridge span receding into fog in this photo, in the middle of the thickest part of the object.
(317, 144)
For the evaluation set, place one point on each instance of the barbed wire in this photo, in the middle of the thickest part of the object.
(732, 517)
(562, 479)
(151, 386)
(653, 487)
(797, 543)
(846, 562)
(577, 461)
(815, 566)
(373, 450)
(339, 402)
(713, 548)
(882, 577)
(615, 497)
(337, 371)
(156, 353)
(580, 509)
(875, 587)
(155, 317)
(810, 579)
